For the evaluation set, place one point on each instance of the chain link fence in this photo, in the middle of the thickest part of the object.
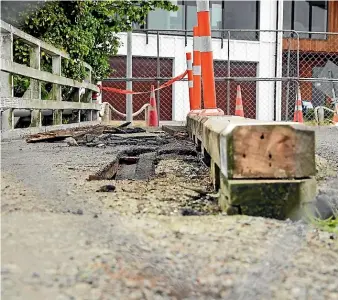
(268, 72)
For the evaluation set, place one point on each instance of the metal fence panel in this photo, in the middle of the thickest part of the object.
(160, 55)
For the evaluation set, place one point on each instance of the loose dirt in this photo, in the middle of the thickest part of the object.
(64, 237)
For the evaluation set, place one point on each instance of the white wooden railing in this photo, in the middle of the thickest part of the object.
(81, 103)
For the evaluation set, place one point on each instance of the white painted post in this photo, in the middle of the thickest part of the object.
(98, 101)
(129, 97)
(35, 86)
(57, 92)
(6, 80)
(279, 62)
(88, 94)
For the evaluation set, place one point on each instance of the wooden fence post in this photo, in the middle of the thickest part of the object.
(57, 91)
(35, 86)
(7, 118)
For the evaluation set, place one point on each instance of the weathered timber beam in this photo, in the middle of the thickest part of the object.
(260, 168)
(20, 133)
(267, 150)
(15, 68)
(245, 148)
(279, 199)
(19, 103)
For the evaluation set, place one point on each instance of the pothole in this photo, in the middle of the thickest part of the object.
(159, 179)
(135, 164)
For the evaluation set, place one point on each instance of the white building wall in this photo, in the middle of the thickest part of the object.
(261, 52)
(266, 63)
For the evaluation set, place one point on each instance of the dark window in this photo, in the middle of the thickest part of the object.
(163, 19)
(216, 17)
(287, 15)
(319, 19)
(241, 15)
(223, 15)
(305, 15)
(302, 17)
(191, 14)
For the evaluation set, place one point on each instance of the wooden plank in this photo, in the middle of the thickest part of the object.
(244, 148)
(20, 133)
(107, 173)
(35, 86)
(15, 68)
(258, 167)
(20, 103)
(278, 199)
(330, 45)
(57, 90)
(47, 137)
(333, 13)
(56, 68)
(212, 129)
(275, 150)
(7, 118)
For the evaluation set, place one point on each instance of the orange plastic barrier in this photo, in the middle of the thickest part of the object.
(164, 85)
(207, 63)
(196, 71)
(190, 79)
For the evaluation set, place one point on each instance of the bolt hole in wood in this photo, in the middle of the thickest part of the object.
(244, 156)
(262, 136)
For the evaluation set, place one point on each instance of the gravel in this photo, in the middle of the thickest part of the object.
(327, 149)
(61, 239)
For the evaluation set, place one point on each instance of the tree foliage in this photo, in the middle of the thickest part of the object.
(85, 29)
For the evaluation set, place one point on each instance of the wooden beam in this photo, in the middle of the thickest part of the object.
(259, 168)
(278, 199)
(56, 68)
(275, 150)
(57, 89)
(245, 148)
(20, 103)
(15, 68)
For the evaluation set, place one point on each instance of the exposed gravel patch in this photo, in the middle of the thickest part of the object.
(63, 240)
(326, 140)
(327, 148)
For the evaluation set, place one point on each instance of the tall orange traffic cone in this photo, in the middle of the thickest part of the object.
(298, 114)
(152, 111)
(239, 104)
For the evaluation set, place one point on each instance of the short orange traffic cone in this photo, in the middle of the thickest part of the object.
(335, 116)
(239, 104)
(152, 111)
(298, 114)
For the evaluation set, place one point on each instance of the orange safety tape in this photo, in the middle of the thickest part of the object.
(166, 84)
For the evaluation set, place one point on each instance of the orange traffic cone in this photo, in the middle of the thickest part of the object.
(239, 104)
(335, 116)
(298, 114)
(152, 111)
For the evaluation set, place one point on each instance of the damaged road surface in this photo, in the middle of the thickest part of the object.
(103, 213)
